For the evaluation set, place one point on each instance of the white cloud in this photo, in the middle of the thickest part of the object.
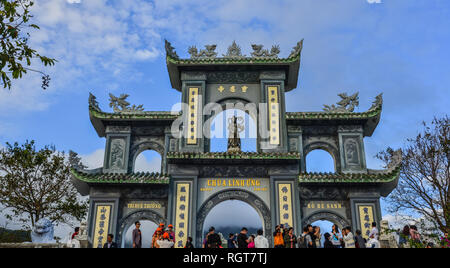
(147, 163)
(93, 160)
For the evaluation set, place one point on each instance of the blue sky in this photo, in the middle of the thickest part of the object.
(396, 47)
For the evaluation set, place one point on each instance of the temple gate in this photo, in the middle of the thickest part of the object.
(193, 180)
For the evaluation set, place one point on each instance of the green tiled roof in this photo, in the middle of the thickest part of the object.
(113, 178)
(161, 115)
(373, 112)
(380, 177)
(241, 60)
(227, 155)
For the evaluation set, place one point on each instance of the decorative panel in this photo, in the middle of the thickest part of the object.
(102, 220)
(182, 214)
(285, 204)
(366, 218)
(274, 114)
(193, 111)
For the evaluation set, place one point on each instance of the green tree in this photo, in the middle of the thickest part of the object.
(35, 184)
(15, 53)
(423, 187)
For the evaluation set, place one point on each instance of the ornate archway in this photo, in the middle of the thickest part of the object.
(233, 194)
(328, 216)
(130, 219)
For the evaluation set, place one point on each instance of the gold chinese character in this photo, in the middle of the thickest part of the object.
(233, 89)
(221, 89)
(244, 88)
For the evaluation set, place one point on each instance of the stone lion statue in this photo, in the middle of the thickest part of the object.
(43, 232)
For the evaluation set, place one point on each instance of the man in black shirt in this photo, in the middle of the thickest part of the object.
(109, 242)
(242, 238)
(213, 240)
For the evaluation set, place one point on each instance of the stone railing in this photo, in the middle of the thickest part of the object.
(32, 245)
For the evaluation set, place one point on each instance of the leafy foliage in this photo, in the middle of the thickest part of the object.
(15, 54)
(425, 175)
(14, 236)
(36, 184)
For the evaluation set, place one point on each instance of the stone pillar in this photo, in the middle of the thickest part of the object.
(285, 202)
(295, 138)
(272, 93)
(365, 209)
(182, 209)
(387, 239)
(193, 95)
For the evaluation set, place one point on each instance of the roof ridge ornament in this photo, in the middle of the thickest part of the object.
(259, 52)
(120, 105)
(208, 53)
(377, 103)
(170, 50)
(297, 49)
(93, 103)
(234, 51)
(346, 105)
(396, 159)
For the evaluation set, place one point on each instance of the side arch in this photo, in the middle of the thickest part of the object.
(138, 148)
(329, 147)
(131, 218)
(327, 215)
(234, 194)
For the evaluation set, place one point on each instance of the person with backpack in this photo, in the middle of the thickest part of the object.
(304, 239)
(311, 244)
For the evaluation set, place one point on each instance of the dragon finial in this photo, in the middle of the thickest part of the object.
(297, 49)
(120, 105)
(259, 52)
(170, 50)
(377, 103)
(93, 102)
(346, 105)
(209, 52)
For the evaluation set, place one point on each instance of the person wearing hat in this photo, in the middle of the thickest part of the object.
(164, 241)
(161, 225)
(171, 233)
(157, 236)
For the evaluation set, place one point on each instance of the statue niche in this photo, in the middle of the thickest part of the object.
(235, 125)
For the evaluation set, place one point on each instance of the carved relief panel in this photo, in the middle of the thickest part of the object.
(352, 152)
(116, 153)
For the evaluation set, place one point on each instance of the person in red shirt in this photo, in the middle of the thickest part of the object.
(77, 230)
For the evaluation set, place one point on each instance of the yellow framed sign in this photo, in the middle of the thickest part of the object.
(102, 221)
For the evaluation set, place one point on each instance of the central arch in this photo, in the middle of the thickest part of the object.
(234, 194)
(327, 215)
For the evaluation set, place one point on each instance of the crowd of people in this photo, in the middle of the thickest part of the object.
(312, 238)
(283, 237)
